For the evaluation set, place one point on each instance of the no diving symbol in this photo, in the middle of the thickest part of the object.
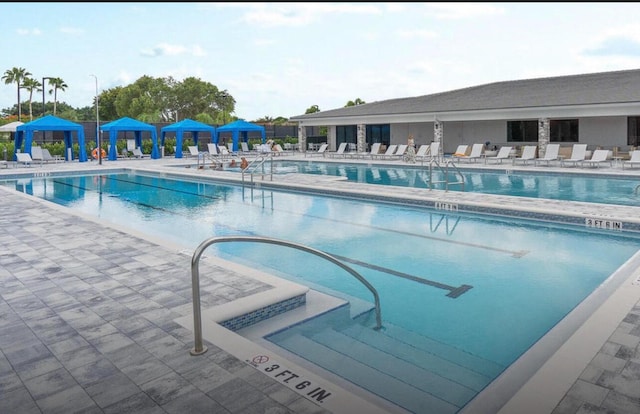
(260, 359)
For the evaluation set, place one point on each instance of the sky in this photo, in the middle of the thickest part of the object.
(279, 59)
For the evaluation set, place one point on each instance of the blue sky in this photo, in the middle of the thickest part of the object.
(278, 59)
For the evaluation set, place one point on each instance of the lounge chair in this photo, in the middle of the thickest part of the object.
(551, 154)
(320, 151)
(578, 155)
(528, 154)
(391, 149)
(47, 157)
(476, 153)
(401, 151)
(634, 160)
(340, 152)
(599, 157)
(24, 158)
(137, 153)
(278, 150)
(461, 151)
(502, 155)
(36, 154)
(424, 151)
(244, 147)
(375, 148)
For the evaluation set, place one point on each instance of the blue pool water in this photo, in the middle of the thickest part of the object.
(505, 181)
(474, 292)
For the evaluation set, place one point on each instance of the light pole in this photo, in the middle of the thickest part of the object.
(43, 110)
(98, 125)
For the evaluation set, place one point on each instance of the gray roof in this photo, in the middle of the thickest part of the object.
(595, 88)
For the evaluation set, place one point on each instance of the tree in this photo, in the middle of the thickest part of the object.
(31, 85)
(16, 75)
(312, 109)
(57, 83)
(358, 101)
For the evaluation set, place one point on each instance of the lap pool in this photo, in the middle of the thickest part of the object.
(462, 296)
(593, 188)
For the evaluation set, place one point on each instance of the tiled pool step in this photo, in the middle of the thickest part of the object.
(416, 373)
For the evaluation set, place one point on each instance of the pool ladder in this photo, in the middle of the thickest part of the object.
(259, 163)
(445, 172)
(199, 347)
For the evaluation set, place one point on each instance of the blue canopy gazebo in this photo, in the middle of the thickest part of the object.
(186, 125)
(240, 127)
(24, 133)
(129, 124)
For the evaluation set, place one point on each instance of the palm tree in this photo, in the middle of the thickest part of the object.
(31, 85)
(16, 75)
(57, 83)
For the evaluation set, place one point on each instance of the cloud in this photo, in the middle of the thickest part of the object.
(71, 31)
(616, 47)
(457, 11)
(416, 34)
(29, 32)
(164, 49)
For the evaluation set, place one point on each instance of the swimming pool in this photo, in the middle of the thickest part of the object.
(415, 258)
(593, 188)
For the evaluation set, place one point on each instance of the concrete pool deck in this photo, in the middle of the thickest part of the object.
(95, 318)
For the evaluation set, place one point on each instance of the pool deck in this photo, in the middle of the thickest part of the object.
(95, 318)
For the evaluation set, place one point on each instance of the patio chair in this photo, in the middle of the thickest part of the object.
(578, 155)
(528, 154)
(340, 152)
(476, 153)
(552, 153)
(461, 151)
(24, 158)
(599, 157)
(391, 149)
(633, 161)
(320, 151)
(503, 154)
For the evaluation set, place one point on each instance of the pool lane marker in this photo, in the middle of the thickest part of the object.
(454, 291)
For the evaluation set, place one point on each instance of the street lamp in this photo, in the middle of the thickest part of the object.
(43, 110)
(98, 125)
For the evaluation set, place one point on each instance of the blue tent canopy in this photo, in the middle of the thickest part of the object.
(51, 123)
(238, 127)
(186, 125)
(129, 124)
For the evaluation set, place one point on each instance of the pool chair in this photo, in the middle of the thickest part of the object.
(528, 154)
(552, 153)
(578, 155)
(340, 152)
(424, 151)
(461, 151)
(24, 158)
(244, 147)
(391, 149)
(400, 151)
(476, 153)
(502, 155)
(321, 151)
(137, 153)
(47, 157)
(633, 161)
(599, 157)
(375, 148)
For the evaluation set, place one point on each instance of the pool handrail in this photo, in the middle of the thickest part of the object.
(255, 164)
(445, 173)
(199, 347)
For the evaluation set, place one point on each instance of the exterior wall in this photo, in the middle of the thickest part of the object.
(605, 132)
(422, 133)
(331, 138)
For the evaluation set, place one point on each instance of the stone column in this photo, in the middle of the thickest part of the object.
(438, 135)
(302, 138)
(361, 138)
(543, 135)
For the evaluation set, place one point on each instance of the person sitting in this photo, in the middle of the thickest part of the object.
(232, 163)
(243, 163)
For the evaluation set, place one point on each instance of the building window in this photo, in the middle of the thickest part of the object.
(346, 133)
(563, 130)
(522, 131)
(379, 133)
(633, 131)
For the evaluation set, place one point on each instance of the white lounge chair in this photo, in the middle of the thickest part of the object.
(244, 147)
(599, 157)
(47, 157)
(502, 155)
(320, 151)
(391, 149)
(375, 148)
(476, 153)
(24, 158)
(461, 151)
(633, 161)
(551, 154)
(424, 151)
(528, 154)
(137, 153)
(400, 151)
(36, 154)
(578, 155)
(340, 152)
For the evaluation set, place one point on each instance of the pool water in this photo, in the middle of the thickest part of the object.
(484, 289)
(566, 186)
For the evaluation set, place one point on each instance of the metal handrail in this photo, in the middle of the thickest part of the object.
(257, 163)
(199, 347)
(445, 173)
